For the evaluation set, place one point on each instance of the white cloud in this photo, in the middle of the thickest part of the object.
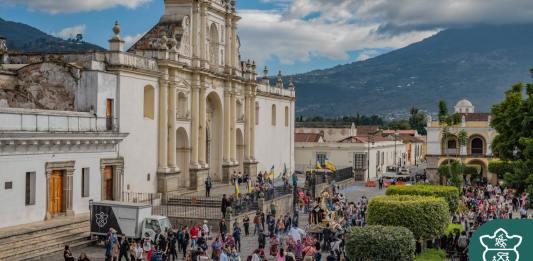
(129, 40)
(70, 32)
(73, 6)
(367, 54)
(268, 34)
(332, 28)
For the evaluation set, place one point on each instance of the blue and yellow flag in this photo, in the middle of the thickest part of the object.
(330, 165)
(318, 165)
(237, 189)
(271, 173)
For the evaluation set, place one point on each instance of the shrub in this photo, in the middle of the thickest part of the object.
(426, 217)
(452, 227)
(449, 193)
(379, 243)
(432, 255)
(499, 167)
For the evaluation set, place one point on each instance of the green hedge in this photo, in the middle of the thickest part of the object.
(432, 255)
(452, 227)
(449, 193)
(379, 243)
(425, 216)
(499, 167)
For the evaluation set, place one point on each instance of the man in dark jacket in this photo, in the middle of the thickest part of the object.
(224, 205)
(124, 249)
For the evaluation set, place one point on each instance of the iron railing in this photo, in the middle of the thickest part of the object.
(139, 197)
(343, 174)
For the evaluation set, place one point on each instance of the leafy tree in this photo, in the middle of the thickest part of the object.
(418, 121)
(443, 111)
(513, 120)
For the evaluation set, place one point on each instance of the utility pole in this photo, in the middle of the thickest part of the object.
(395, 152)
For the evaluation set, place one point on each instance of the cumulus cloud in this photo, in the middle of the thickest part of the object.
(367, 54)
(73, 6)
(70, 32)
(268, 34)
(332, 28)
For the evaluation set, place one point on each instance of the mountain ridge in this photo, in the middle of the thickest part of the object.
(25, 38)
(478, 63)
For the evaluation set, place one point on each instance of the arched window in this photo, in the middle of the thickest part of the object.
(149, 102)
(476, 146)
(256, 113)
(286, 116)
(452, 144)
(273, 115)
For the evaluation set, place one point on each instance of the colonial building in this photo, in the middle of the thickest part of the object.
(364, 148)
(178, 106)
(477, 150)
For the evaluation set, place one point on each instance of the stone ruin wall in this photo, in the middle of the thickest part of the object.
(45, 86)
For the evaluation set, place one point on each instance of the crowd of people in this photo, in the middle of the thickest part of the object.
(480, 203)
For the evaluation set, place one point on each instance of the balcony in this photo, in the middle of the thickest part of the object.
(25, 120)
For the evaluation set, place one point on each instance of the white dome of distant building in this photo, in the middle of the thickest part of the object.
(464, 106)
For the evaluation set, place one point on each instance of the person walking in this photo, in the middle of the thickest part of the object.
(67, 254)
(224, 205)
(246, 223)
(124, 249)
(223, 228)
(237, 237)
(172, 252)
(208, 186)
(83, 257)
(257, 223)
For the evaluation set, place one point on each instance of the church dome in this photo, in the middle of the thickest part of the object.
(464, 106)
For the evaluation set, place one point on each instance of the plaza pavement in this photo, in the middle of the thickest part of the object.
(249, 244)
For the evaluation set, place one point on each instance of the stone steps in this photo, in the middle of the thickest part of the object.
(45, 238)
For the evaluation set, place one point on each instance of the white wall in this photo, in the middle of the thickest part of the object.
(342, 154)
(139, 149)
(14, 168)
(274, 145)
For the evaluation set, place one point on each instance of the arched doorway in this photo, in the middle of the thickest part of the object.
(214, 133)
(183, 156)
(240, 150)
(483, 170)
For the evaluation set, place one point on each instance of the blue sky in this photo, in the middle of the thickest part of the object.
(294, 36)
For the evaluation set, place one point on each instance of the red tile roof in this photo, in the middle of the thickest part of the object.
(307, 137)
(400, 132)
(363, 139)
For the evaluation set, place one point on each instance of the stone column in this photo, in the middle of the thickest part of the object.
(195, 124)
(247, 122)
(171, 147)
(203, 32)
(202, 126)
(48, 174)
(228, 43)
(195, 22)
(233, 118)
(252, 128)
(163, 122)
(227, 125)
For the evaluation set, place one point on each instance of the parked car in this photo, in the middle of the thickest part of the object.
(404, 171)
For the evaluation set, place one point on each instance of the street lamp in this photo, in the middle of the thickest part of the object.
(369, 141)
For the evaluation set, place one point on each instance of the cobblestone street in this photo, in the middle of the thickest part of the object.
(249, 244)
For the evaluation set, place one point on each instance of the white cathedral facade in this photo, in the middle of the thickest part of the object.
(178, 106)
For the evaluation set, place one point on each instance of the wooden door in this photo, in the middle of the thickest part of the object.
(109, 114)
(55, 204)
(108, 183)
